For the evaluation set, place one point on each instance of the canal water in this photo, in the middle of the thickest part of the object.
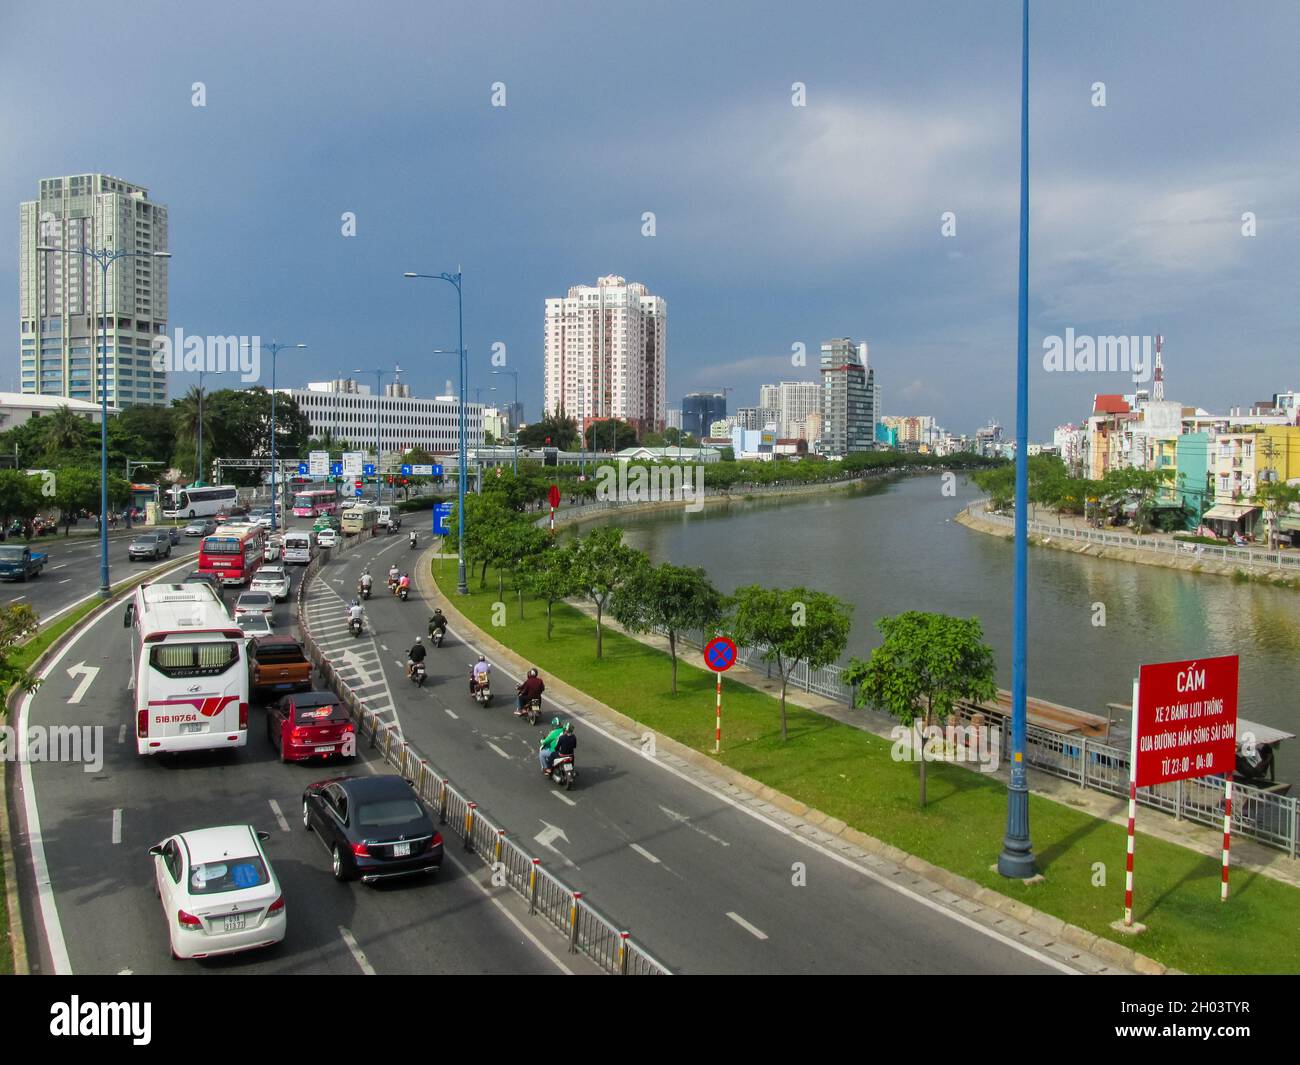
(894, 546)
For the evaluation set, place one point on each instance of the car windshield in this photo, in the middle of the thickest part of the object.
(145, 541)
(229, 874)
(389, 812)
(11, 552)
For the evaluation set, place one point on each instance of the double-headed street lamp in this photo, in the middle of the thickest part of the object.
(379, 406)
(104, 257)
(515, 375)
(462, 585)
(198, 461)
(275, 350)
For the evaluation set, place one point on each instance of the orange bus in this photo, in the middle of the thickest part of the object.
(233, 553)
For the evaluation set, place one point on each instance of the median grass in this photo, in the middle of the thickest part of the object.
(848, 774)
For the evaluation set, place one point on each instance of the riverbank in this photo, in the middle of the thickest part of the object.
(1274, 568)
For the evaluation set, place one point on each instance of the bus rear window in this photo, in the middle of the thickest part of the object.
(221, 547)
(193, 659)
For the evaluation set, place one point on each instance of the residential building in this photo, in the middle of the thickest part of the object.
(1234, 472)
(674, 420)
(753, 443)
(722, 427)
(1190, 483)
(700, 410)
(848, 397)
(1070, 441)
(757, 417)
(63, 308)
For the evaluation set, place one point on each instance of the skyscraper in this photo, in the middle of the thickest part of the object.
(700, 410)
(848, 397)
(605, 352)
(61, 297)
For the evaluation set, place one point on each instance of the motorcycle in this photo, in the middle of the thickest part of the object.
(402, 592)
(532, 710)
(483, 692)
(417, 674)
(435, 637)
(412, 539)
(354, 626)
(392, 585)
(365, 591)
(563, 771)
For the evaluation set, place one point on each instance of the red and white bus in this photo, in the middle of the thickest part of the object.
(190, 666)
(233, 553)
(308, 503)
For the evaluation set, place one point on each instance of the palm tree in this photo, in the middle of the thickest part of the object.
(63, 433)
(185, 412)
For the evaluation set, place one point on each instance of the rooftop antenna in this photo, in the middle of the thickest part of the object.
(1158, 383)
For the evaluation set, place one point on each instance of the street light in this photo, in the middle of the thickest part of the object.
(104, 257)
(515, 434)
(462, 585)
(198, 463)
(275, 350)
(379, 406)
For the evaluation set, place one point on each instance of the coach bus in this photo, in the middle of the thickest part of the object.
(233, 553)
(311, 502)
(199, 502)
(358, 519)
(190, 667)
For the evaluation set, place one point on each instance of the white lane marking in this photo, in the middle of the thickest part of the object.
(61, 565)
(66, 580)
(17, 597)
(358, 955)
(524, 929)
(383, 647)
(451, 713)
(121, 733)
(561, 796)
(87, 674)
(498, 750)
(117, 825)
(682, 819)
(820, 848)
(547, 837)
(758, 934)
(644, 853)
(279, 816)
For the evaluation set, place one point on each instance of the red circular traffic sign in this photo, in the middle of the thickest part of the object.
(720, 654)
(555, 495)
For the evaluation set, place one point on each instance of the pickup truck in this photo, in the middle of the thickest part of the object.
(277, 664)
(18, 563)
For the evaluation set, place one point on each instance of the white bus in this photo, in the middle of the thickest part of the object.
(190, 670)
(299, 546)
(193, 502)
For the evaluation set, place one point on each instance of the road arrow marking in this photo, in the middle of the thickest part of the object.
(682, 819)
(547, 837)
(88, 675)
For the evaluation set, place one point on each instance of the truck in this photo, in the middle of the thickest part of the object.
(277, 664)
(20, 562)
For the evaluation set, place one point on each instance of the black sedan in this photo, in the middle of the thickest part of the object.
(374, 827)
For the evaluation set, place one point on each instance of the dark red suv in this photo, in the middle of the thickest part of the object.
(310, 725)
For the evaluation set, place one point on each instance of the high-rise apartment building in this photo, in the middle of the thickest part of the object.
(758, 417)
(700, 410)
(793, 401)
(848, 397)
(61, 294)
(605, 352)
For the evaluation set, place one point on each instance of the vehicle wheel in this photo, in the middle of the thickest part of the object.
(569, 785)
(341, 871)
(306, 817)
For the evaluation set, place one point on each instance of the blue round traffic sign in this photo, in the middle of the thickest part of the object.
(720, 654)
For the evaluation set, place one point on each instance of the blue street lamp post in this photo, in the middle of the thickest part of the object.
(104, 257)
(515, 375)
(275, 350)
(462, 585)
(198, 460)
(1017, 857)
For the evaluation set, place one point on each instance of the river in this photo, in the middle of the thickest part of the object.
(894, 546)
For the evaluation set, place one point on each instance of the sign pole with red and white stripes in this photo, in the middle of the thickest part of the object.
(1227, 836)
(717, 749)
(1132, 812)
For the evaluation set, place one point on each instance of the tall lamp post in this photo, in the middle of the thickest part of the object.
(515, 375)
(1017, 857)
(462, 585)
(198, 462)
(104, 257)
(379, 431)
(275, 350)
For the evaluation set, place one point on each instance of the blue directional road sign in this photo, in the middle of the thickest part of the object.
(336, 469)
(406, 471)
(442, 519)
(368, 469)
(436, 469)
(302, 468)
(358, 492)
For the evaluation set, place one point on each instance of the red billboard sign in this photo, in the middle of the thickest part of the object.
(1186, 722)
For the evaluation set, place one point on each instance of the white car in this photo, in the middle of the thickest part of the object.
(271, 551)
(252, 625)
(254, 603)
(219, 893)
(327, 538)
(273, 581)
(263, 518)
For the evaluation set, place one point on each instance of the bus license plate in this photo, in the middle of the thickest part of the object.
(235, 922)
(190, 730)
(401, 850)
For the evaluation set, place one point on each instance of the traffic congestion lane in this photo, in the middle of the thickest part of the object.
(701, 882)
(96, 829)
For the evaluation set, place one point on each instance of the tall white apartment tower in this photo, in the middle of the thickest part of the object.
(605, 351)
(61, 298)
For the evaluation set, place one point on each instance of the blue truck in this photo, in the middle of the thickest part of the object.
(20, 562)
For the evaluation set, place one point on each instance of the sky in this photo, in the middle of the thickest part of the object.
(775, 225)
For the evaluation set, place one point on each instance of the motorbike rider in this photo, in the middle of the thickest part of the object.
(412, 537)
(414, 655)
(363, 585)
(531, 688)
(438, 623)
(546, 752)
(479, 674)
(392, 577)
(567, 743)
(355, 612)
(405, 583)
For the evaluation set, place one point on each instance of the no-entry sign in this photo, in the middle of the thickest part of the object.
(1186, 720)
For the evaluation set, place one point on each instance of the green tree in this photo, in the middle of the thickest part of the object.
(602, 564)
(674, 598)
(550, 577)
(1277, 498)
(789, 626)
(64, 434)
(17, 622)
(600, 434)
(20, 496)
(75, 489)
(560, 429)
(524, 543)
(927, 663)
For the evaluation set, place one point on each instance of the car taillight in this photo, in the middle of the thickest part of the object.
(142, 723)
(277, 905)
(359, 850)
(243, 715)
(296, 735)
(187, 920)
(437, 840)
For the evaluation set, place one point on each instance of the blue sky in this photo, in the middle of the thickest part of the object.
(775, 224)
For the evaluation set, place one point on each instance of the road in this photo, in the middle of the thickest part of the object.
(704, 884)
(100, 914)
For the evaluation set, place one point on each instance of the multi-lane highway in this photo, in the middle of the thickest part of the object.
(95, 910)
(704, 884)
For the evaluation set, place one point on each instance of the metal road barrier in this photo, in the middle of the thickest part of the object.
(586, 929)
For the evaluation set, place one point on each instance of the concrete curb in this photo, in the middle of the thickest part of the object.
(1105, 949)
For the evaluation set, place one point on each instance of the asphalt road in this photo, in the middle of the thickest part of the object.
(100, 914)
(704, 885)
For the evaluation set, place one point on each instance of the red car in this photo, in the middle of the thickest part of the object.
(310, 725)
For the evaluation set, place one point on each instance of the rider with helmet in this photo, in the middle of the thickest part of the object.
(479, 674)
(531, 688)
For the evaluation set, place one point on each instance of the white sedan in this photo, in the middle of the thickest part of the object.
(219, 893)
(327, 538)
(254, 603)
(272, 580)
